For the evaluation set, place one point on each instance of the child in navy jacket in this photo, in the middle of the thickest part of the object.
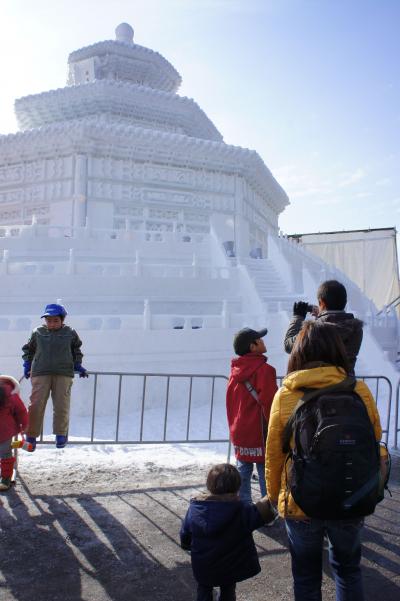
(217, 529)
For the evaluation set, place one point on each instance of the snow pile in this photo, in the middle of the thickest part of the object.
(48, 459)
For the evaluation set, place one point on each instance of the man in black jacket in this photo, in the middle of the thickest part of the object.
(332, 299)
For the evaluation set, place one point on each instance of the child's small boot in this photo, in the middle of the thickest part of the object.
(31, 440)
(7, 466)
(61, 441)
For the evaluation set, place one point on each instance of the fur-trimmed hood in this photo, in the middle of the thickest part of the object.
(13, 413)
(16, 389)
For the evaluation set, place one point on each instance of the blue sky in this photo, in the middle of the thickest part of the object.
(312, 85)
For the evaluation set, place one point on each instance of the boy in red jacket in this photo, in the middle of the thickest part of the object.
(251, 389)
(13, 420)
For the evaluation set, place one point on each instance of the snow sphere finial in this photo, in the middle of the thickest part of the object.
(124, 33)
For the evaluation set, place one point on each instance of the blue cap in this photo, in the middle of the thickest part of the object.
(53, 310)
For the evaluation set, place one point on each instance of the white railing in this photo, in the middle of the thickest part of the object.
(35, 230)
(139, 267)
(390, 306)
(147, 320)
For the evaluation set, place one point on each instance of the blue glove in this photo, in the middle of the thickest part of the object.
(81, 370)
(27, 369)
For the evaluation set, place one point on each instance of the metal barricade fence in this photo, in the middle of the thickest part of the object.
(375, 384)
(205, 404)
(396, 418)
(202, 421)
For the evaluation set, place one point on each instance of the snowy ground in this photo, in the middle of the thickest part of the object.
(101, 523)
(65, 467)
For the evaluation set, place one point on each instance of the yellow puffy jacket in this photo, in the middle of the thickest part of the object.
(283, 405)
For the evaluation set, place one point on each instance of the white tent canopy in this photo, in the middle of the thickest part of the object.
(368, 257)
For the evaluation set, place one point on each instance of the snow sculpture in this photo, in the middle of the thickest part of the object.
(124, 33)
(120, 196)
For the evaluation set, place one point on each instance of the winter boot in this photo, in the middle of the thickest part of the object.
(61, 441)
(7, 466)
(31, 440)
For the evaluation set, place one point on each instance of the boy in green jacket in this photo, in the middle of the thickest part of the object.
(51, 356)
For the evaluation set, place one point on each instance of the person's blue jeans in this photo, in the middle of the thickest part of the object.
(306, 540)
(245, 469)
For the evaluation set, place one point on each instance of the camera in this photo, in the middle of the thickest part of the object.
(301, 308)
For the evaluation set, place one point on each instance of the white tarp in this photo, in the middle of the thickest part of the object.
(368, 257)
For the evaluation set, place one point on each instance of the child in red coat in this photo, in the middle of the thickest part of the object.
(13, 420)
(251, 389)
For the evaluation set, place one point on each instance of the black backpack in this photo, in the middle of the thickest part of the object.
(335, 469)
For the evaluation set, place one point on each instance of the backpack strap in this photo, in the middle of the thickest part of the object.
(251, 388)
(252, 391)
(346, 385)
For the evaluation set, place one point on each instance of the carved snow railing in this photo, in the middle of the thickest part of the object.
(140, 236)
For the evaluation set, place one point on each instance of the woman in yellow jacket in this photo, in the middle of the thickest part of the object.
(318, 360)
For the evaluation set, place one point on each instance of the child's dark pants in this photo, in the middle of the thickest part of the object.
(205, 593)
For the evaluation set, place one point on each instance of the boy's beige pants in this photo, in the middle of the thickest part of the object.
(60, 388)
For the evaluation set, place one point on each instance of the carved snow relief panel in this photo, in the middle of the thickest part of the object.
(29, 188)
(257, 210)
(10, 175)
(196, 179)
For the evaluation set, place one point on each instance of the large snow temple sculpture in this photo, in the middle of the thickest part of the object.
(120, 197)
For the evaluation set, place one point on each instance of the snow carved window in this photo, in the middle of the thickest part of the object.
(164, 214)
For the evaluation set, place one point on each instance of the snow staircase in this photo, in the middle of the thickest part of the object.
(269, 285)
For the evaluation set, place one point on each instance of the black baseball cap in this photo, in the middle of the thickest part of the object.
(243, 339)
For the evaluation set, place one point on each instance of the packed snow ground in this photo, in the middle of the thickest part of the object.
(101, 523)
(47, 460)
(104, 519)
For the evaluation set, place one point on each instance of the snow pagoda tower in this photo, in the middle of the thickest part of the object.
(120, 197)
